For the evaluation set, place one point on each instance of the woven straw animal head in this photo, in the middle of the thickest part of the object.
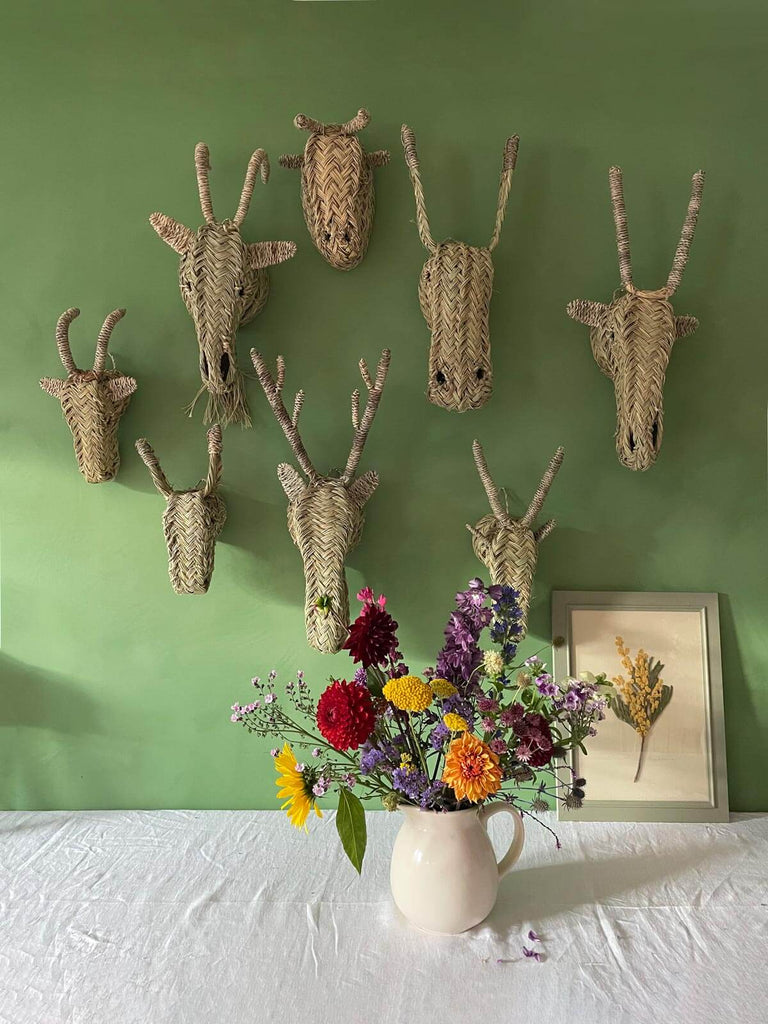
(325, 513)
(455, 296)
(224, 283)
(192, 519)
(509, 547)
(632, 336)
(92, 401)
(337, 187)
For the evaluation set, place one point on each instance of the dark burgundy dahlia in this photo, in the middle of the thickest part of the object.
(345, 715)
(536, 747)
(372, 636)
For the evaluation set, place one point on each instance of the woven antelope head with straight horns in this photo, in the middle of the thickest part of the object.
(92, 401)
(192, 519)
(224, 283)
(632, 336)
(455, 295)
(337, 187)
(325, 513)
(509, 547)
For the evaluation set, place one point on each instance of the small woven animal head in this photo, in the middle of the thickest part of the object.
(92, 401)
(455, 296)
(337, 187)
(224, 283)
(508, 547)
(325, 513)
(192, 519)
(632, 336)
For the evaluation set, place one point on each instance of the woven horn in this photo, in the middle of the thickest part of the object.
(148, 457)
(62, 338)
(362, 426)
(505, 181)
(202, 167)
(214, 461)
(620, 220)
(309, 124)
(686, 235)
(494, 497)
(259, 162)
(273, 390)
(103, 340)
(408, 140)
(543, 489)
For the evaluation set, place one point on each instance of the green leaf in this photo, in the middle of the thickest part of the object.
(621, 711)
(666, 697)
(350, 824)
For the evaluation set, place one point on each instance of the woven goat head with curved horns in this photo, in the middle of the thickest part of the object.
(632, 336)
(509, 547)
(92, 401)
(224, 283)
(192, 519)
(325, 513)
(337, 187)
(455, 295)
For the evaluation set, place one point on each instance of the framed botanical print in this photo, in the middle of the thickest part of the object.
(660, 753)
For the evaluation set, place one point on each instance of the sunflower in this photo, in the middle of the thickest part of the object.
(471, 769)
(295, 787)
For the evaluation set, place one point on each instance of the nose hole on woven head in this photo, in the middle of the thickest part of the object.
(241, 291)
(655, 434)
(440, 377)
(204, 365)
(479, 373)
(631, 440)
(346, 236)
(224, 367)
(327, 236)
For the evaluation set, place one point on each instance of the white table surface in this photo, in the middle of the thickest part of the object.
(228, 917)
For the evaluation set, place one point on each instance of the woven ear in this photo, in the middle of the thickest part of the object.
(121, 387)
(267, 254)
(171, 232)
(52, 386)
(685, 325)
(361, 489)
(291, 481)
(586, 312)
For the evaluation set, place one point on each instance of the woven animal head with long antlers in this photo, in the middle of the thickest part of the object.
(224, 283)
(455, 295)
(508, 547)
(92, 401)
(632, 336)
(337, 187)
(325, 513)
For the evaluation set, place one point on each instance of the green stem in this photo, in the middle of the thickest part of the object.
(640, 758)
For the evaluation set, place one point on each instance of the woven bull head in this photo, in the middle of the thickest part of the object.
(92, 401)
(509, 547)
(632, 336)
(337, 187)
(455, 296)
(224, 283)
(325, 513)
(192, 519)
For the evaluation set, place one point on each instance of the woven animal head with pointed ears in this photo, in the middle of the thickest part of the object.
(455, 295)
(337, 187)
(224, 283)
(92, 401)
(508, 547)
(325, 513)
(192, 519)
(632, 336)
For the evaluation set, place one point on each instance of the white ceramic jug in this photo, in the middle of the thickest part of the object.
(444, 874)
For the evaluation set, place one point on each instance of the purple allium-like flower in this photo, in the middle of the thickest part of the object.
(486, 704)
(511, 716)
(498, 746)
(488, 724)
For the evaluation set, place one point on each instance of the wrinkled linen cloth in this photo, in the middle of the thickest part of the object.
(228, 917)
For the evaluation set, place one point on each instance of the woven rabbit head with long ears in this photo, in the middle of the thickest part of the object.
(509, 548)
(92, 401)
(455, 296)
(224, 283)
(325, 513)
(632, 336)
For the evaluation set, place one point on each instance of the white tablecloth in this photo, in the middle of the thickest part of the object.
(227, 917)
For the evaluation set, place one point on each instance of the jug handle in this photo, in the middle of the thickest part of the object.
(509, 859)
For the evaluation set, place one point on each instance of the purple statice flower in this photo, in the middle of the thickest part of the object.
(370, 758)
(487, 704)
(498, 746)
(429, 793)
(438, 736)
(361, 676)
(416, 786)
(460, 706)
(546, 685)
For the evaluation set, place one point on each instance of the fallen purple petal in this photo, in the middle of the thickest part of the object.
(533, 937)
(532, 954)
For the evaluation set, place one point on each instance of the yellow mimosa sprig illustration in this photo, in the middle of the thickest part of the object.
(641, 696)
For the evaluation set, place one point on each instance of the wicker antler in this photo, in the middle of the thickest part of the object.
(620, 220)
(273, 388)
(62, 339)
(412, 161)
(686, 235)
(361, 427)
(202, 167)
(507, 170)
(357, 123)
(541, 493)
(103, 339)
(150, 460)
(259, 162)
(494, 495)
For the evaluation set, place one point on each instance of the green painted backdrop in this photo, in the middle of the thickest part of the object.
(114, 692)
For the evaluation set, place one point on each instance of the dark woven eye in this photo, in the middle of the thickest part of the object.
(655, 434)
(241, 291)
(346, 236)
(479, 373)
(440, 377)
(327, 236)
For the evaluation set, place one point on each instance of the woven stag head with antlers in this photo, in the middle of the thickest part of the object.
(508, 547)
(632, 336)
(325, 513)
(337, 187)
(455, 295)
(92, 401)
(224, 283)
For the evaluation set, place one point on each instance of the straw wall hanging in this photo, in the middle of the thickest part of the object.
(192, 519)
(224, 283)
(325, 513)
(337, 187)
(92, 401)
(455, 295)
(632, 336)
(508, 547)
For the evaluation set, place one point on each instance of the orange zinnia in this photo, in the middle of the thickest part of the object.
(471, 769)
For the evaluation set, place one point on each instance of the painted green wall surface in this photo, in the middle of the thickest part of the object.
(114, 692)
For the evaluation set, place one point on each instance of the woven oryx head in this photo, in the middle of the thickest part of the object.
(192, 519)
(509, 547)
(92, 401)
(337, 187)
(632, 336)
(455, 295)
(325, 513)
(224, 283)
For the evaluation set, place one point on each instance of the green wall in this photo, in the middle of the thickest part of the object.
(114, 692)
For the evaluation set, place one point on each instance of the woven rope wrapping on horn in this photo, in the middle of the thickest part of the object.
(92, 401)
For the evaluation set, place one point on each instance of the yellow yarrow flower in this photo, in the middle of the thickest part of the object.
(300, 801)
(443, 689)
(455, 722)
(408, 693)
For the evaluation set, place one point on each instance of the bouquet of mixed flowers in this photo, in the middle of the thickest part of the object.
(476, 727)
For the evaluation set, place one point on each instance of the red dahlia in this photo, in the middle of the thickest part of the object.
(372, 636)
(345, 715)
